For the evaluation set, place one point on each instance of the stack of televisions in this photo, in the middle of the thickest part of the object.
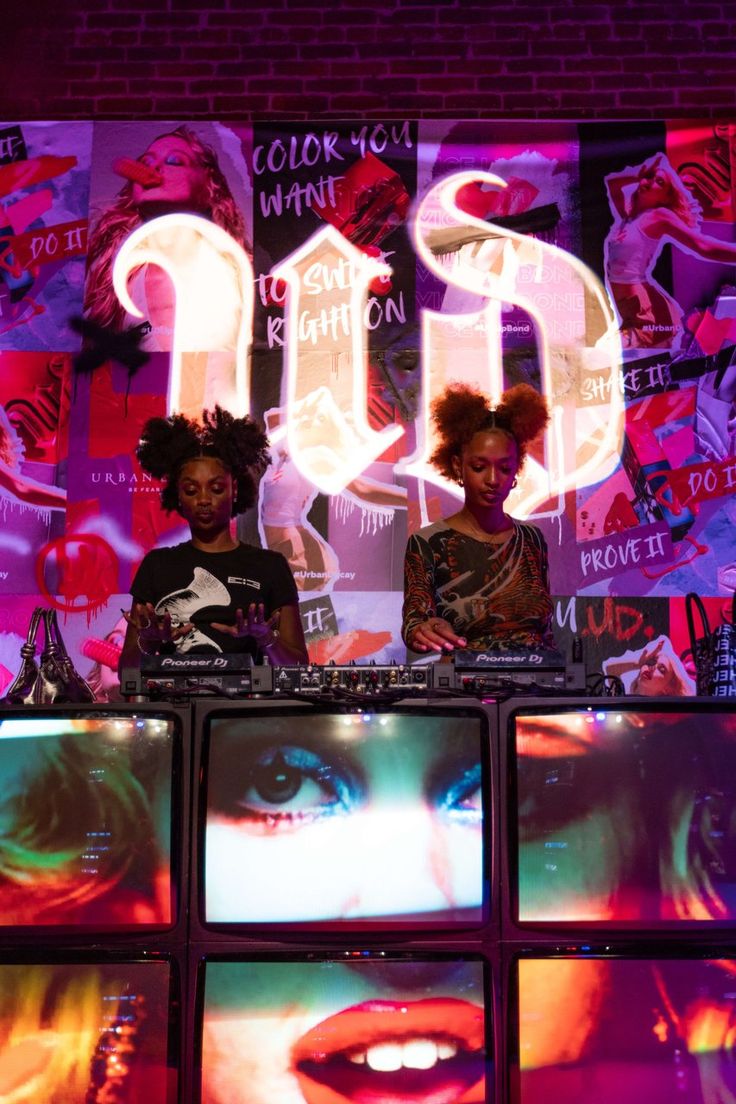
(430, 902)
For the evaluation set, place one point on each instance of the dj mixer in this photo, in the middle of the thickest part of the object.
(480, 673)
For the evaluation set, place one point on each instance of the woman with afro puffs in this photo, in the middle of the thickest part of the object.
(211, 593)
(479, 579)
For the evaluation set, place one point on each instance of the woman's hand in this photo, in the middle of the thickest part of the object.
(435, 635)
(154, 629)
(263, 630)
(650, 166)
(649, 659)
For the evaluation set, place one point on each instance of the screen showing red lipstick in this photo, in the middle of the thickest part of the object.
(359, 1032)
(86, 820)
(626, 816)
(606, 1030)
(74, 1033)
(330, 817)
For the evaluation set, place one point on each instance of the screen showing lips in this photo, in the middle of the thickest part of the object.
(364, 1032)
(626, 816)
(334, 817)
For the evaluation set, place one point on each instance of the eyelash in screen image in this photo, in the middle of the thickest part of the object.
(286, 785)
(459, 798)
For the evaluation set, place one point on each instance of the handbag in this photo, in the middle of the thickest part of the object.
(53, 678)
(21, 689)
(714, 650)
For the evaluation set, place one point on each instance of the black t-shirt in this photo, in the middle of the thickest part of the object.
(203, 587)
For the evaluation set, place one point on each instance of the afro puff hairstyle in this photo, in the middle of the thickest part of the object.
(461, 411)
(167, 444)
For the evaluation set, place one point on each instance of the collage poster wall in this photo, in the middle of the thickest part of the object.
(331, 280)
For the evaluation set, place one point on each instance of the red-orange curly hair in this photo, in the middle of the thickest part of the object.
(462, 411)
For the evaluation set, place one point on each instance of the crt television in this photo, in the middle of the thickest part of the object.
(88, 1029)
(620, 815)
(353, 1026)
(335, 817)
(89, 820)
(612, 1025)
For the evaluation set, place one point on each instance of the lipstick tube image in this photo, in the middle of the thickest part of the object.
(137, 172)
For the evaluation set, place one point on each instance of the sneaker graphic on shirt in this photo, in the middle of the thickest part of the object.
(203, 591)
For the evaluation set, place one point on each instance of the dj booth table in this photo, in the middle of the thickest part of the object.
(493, 867)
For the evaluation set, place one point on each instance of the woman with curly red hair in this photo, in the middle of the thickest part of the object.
(479, 578)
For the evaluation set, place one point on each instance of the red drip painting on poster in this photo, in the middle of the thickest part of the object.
(87, 568)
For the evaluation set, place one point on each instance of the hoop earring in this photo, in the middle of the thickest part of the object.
(460, 481)
(514, 483)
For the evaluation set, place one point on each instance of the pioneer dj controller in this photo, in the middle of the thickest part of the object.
(164, 676)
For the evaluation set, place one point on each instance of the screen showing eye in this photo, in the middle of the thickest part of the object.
(603, 1031)
(331, 817)
(626, 816)
(76, 1033)
(331, 1031)
(86, 821)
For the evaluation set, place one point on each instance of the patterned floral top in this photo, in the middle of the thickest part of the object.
(495, 595)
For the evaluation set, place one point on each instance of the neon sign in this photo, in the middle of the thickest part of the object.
(327, 282)
(500, 266)
(210, 327)
(328, 434)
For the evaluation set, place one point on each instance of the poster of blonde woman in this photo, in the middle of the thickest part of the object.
(652, 672)
(188, 280)
(652, 209)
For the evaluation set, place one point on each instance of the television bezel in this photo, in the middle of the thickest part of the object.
(145, 936)
(235, 952)
(517, 930)
(645, 950)
(404, 930)
(176, 1044)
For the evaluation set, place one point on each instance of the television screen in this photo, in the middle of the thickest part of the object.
(330, 816)
(85, 1033)
(597, 1030)
(86, 820)
(626, 816)
(344, 1032)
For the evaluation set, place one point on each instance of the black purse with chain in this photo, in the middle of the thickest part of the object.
(53, 678)
(714, 651)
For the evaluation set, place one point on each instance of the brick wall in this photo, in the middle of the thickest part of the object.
(402, 58)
